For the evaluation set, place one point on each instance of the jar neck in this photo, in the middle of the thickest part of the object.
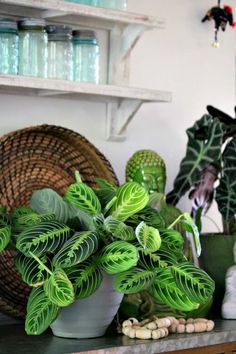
(9, 30)
(90, 41)
(32, 28)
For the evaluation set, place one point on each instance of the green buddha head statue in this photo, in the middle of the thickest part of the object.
(147, 168)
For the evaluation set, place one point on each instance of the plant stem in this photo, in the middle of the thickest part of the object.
(41, 263)
(175, 222)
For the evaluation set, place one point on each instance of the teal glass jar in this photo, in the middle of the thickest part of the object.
(86, 56)
(32, 47)
(8, 47)
(60, 52)
(114, 4)
(86, 2)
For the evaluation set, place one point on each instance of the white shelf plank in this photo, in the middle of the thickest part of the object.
(49, 87)
(74, 13)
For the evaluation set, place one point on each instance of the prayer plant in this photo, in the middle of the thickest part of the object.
(65, 244)
(208, 170)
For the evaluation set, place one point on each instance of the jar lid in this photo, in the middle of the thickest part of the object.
(32, 22)
(7, 23)
(58, 32)
(84, 33)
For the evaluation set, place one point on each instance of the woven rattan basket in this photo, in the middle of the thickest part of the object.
(30, 159)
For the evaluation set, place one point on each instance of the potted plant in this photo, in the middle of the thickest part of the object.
(66, 246)
(208, 172)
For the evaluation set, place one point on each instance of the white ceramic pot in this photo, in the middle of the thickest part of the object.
(89, 317)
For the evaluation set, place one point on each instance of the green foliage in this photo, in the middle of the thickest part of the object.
(41, 312)
(64, 259)
(131, 198)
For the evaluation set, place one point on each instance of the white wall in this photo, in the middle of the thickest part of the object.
(179, 58)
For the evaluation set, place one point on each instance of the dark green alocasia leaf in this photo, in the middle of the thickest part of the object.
(5, 235)
(200, 152)
(59, 289)
(148, 237)
(77, 249)
(166, 290)
(195, 282)
(84, 198)
(133, 280)
(226, 191)
(31, 271)
(86, 278)
(131, 198)
(117, 257)
(43, 238)
(47, 201)
(41, 312)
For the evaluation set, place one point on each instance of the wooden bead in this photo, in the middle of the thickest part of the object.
(189, 328)
(143, 333)
(210, 325)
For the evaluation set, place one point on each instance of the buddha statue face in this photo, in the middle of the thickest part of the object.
(147, 168)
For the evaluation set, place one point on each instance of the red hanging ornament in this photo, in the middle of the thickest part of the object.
(220, 16)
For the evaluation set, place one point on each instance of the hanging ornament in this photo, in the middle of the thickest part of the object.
(220, 16)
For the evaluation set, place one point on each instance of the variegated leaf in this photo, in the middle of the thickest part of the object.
(195, 282)
(119, 229)
(131, 198)
(149, 215)
(59, 289)
(5, 235)
(133, 280)
(166, 290)
(31, 271)
(117, 257)
(29, 220)
(41, 312)
(83, 197)
(200, 152)
(148, 237)
(86, 278)
(172, 240)
(77, 249)
(43, 238)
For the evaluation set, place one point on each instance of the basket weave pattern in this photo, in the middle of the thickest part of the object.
(34, 158)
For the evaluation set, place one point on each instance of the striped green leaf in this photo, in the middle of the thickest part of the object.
(5, 235)
(77, 249)
(131, 198)
(43, 238)
(83, 197)
(48, 201)
(200, 152)
(172, 240)
(195, 282)
(29, 220)
(59, 289)
(117, 257)
(86, 278)
(105, 191)
(133, 281)
(119, 229)
(150, 261)
(31, 271)
(41, 312)
(149, 215)
(166, 290)
(148, 237)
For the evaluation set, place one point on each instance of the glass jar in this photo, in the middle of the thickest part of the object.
(86, 56)
(8, 47)
(86, 2)
(114, 4)
(32, 47)
(60, 52)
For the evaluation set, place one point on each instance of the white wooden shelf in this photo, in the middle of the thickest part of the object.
(122, 102)
(74, 13)
(124, 28)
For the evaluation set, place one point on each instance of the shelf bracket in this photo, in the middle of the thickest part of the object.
(119, 114)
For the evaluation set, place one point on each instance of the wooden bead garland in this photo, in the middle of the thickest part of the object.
(156, 328)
